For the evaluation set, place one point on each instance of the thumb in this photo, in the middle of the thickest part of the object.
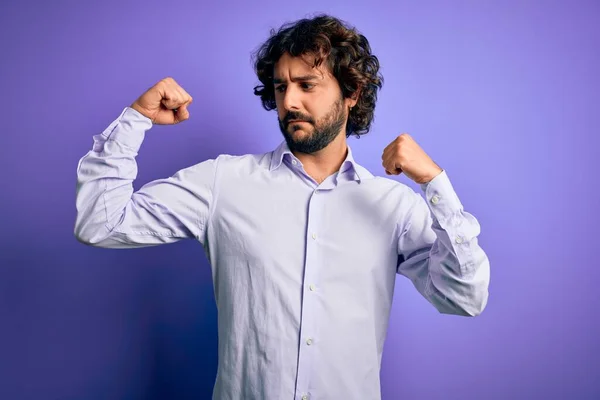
(182, 113)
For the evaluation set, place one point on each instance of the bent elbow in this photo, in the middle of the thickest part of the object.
(472, 306)
(84, 239)
(90, 234)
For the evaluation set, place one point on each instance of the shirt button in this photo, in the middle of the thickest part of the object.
(314, 236)
(311, 287)
(305, 397)
(458, 240)
(294, 162)
(435, 199)
(309, 341)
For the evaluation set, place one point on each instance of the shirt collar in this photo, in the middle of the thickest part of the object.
(349, 168)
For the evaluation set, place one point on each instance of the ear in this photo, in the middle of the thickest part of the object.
(355, 96)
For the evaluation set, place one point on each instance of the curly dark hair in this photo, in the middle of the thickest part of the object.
(347, 54)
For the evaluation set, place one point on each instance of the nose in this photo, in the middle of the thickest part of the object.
(291, 99)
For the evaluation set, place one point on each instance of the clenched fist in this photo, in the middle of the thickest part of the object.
(164, 103)
(405, 155)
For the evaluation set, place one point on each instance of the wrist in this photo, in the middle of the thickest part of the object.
(429, 177)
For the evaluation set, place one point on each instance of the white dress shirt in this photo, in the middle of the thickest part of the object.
(303, 272)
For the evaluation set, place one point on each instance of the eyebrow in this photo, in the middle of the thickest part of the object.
(297, 78)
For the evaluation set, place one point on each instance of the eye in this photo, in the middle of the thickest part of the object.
(280, 88)
(307, 85)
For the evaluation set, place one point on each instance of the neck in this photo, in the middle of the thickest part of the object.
(327, 161)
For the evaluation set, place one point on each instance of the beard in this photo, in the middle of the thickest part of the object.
(318, 134)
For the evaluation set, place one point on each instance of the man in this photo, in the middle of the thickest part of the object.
(304, 243)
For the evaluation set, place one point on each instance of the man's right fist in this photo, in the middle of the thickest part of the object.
(164, 103)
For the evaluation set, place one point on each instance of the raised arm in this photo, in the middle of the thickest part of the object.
(438, 243)
(109, 213)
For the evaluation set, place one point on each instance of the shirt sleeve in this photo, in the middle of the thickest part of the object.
(439, 251)
(109, 213)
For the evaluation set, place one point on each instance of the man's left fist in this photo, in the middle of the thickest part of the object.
(405, 155)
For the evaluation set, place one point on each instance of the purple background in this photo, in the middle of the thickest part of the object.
(504, 96)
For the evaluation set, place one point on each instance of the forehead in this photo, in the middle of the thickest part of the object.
(289, 68)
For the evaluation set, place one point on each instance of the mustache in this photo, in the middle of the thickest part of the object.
(295, 116)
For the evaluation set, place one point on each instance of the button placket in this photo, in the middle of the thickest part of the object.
(308, 329)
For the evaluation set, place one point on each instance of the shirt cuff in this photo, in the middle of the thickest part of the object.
(129, 128)
(441, 197)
